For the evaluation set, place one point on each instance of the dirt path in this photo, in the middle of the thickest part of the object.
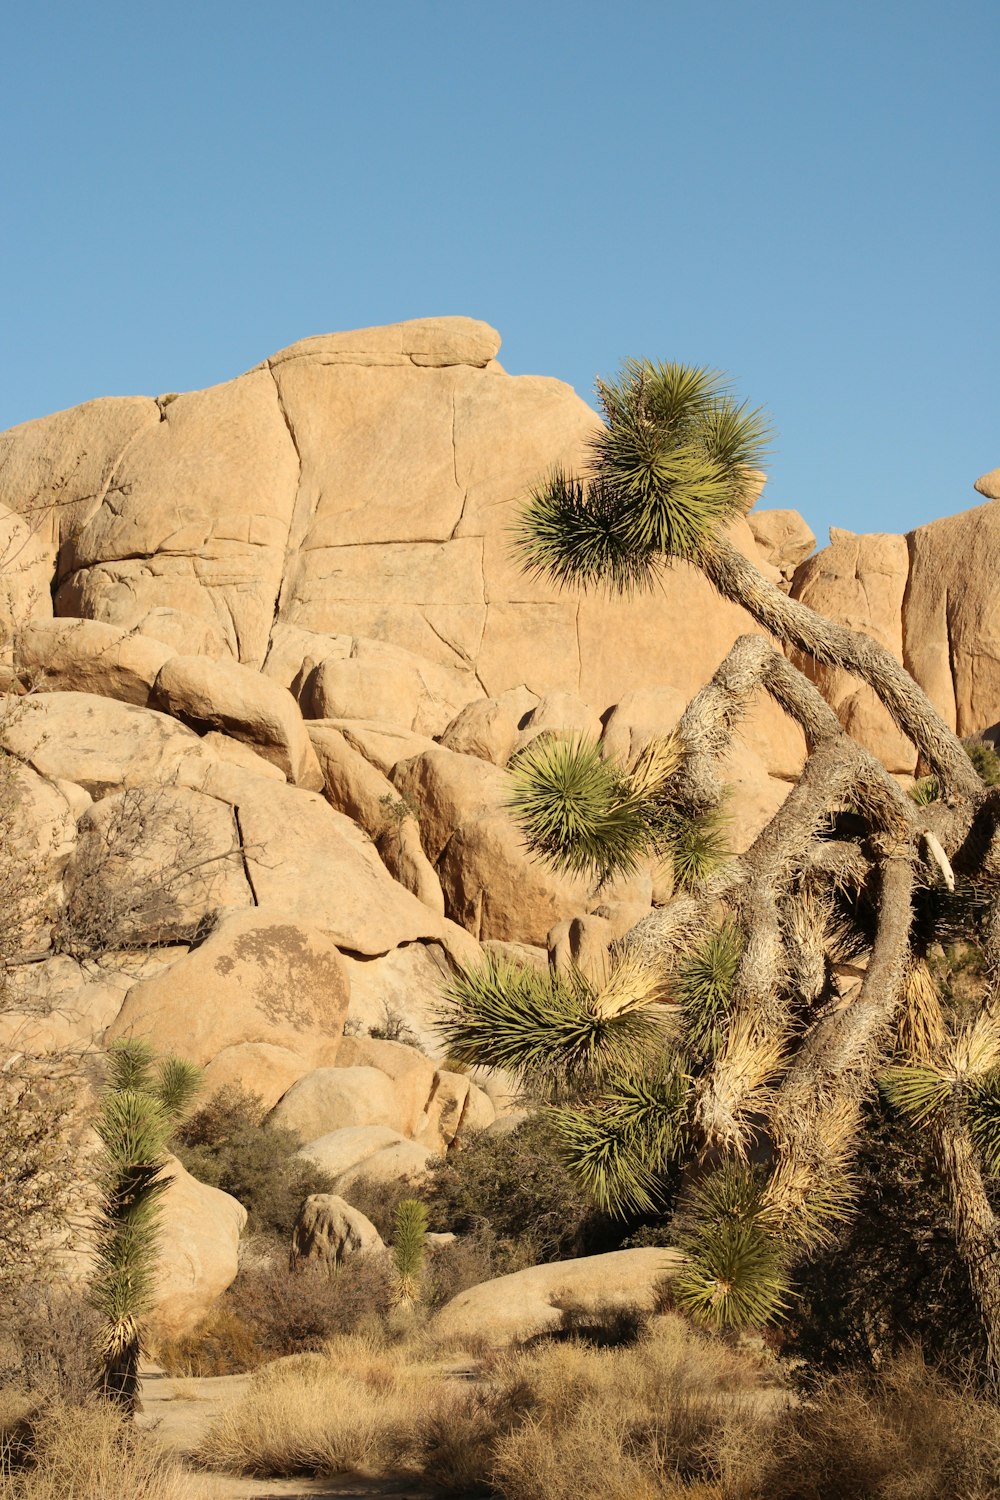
(178, 1411)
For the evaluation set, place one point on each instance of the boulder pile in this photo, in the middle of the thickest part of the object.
(267, 655)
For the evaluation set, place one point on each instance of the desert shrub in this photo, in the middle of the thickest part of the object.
(891, 1275)
(985, 759)
(224, 1144)
(359, 1406)
(516, 1193)
(905, 1434)
(378, 1201)
(577, 1423)
(49, 1341)
(270, 1312)
(91, 1453)
(451, 1268)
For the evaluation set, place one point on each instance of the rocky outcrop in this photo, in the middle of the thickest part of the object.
(199, 1243)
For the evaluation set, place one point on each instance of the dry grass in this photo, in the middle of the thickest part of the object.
(621, 1424)
(356, 1408)
(89, 1453)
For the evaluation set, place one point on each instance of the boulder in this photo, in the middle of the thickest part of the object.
(331, 1099)
(342, 1150)
(197, 519)
(243, 705)
(236, 753)
(449, 790)
(489, 728)
(382, 745)
(37, 855)
(60, 1004)
(405, 1162)
(535, 1301)
(256, 979)
(401, 988)
(99, 743)
(860, 581)
(303, 857)
(951, 640)
(456, 1107)
(386, 682)
(328, 1230)
(496, 889)
(355, 787)
(413, 1075)
(561, 713)
(25, 573)
(260, 1067)
(84, 656)
(198, 1251)
(783, 538)
(989, 484)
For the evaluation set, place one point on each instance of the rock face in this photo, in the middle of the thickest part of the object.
(269, 598)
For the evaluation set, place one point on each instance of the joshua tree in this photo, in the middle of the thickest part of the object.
(719, 1038)
(409, 1249)
(140, 1108)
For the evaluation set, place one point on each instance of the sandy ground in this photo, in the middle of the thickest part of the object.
(176, 1412)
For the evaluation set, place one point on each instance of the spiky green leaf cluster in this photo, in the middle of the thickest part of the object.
(704, 985)
(545, 1026)
(619, 1147)
(668, 470)
(697, 844)
(576, 809)
(735, 1275)
(925, 791)
(409, 1247)
(916, 1090)
(982, 1112)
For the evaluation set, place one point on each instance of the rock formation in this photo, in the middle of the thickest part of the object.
(277, 655)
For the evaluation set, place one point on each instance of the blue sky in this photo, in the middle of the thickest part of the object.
(805, 196)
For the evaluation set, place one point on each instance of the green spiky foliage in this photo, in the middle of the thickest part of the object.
(982, 1110)
(576, 810)
(621, 1146)
(548, 1028)
(584, 815)
(670, 467)
(704, 985)
(925, 791)
(139, 1110)
(409, 1248)
(736, 1274)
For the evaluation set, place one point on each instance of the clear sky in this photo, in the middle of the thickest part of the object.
(803, 195)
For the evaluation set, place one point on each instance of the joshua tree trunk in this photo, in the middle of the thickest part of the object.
(976, 1227)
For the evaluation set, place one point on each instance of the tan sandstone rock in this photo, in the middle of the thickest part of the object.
(387, 683)
(332, 1099)
(860, 581)
(84, 656)
(328, 1230)
(228, 697)
(257, 979)
(490, 727)
(951, 634)
(989, 484)
(532, 1302)
(199, 1244)
(342, 1150)
(99, 743)
(783, 538)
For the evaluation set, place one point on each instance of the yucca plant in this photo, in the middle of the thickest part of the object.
(785, 974)
(140, 1107)
(409, 1249)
